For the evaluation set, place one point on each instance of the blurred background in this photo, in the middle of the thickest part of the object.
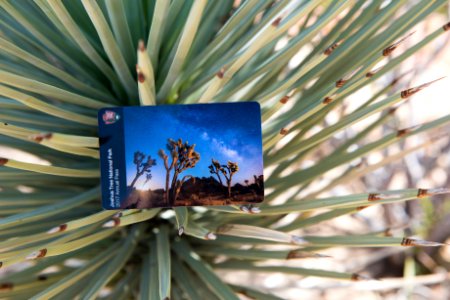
(404, 273)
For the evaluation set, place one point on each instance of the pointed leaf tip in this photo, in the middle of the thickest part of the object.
(409, 92)
(285, 99)
(421, 243)
(359, 277)
(330, 49)
(221, 73)
(210, 236)
(373, 72)
(327, 100)
(276, 22)
(112, 223)
(404, 131)
(284, 131)
(375, 196)
(40, 137)
(141, 46)
(421, 193)
(141, 77)
(56, 229)
(388, 50)
(37, 254)
(6, 286)
(446, 27)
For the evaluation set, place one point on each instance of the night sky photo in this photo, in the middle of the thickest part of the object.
(223, 132)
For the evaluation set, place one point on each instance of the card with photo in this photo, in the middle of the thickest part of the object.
(181, 155)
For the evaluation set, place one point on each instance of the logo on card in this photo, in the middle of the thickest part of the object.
(110, 117)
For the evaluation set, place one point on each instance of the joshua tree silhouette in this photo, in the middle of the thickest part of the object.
(215, 168)
(227, 171)
(142, 167)
(259, 181)
(183, 157)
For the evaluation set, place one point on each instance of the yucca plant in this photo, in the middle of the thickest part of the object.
(60, 61)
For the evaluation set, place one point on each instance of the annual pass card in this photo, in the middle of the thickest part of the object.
(179, 155)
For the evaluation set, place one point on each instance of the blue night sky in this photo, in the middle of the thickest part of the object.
(224, 132)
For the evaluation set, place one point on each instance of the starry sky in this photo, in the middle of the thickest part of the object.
(230, 131)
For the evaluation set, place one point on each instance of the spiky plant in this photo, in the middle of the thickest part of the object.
(62, 60)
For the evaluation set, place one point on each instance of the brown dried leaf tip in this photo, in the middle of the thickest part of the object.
(446, 26)
(388, 50)
(376, 196)
(42, 253)
(295, 254)
(59, 228)
(37, 254)
(276, 22)
(372, 72)
(221, 73)
(340, 83)
(404, 131)
(41, 136)
(7, 286)
(392, 110)
(357, 277)
(141, 77)
(373, 197)
(42, 277)
(387, 232)
(415, 242)
(330, 49)
(284, 131)
(285, 99)
(288, 96)
(407, 242)
(409, 92)
(327, 100)
(359, 208)
(140, 74)
(422, 193)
